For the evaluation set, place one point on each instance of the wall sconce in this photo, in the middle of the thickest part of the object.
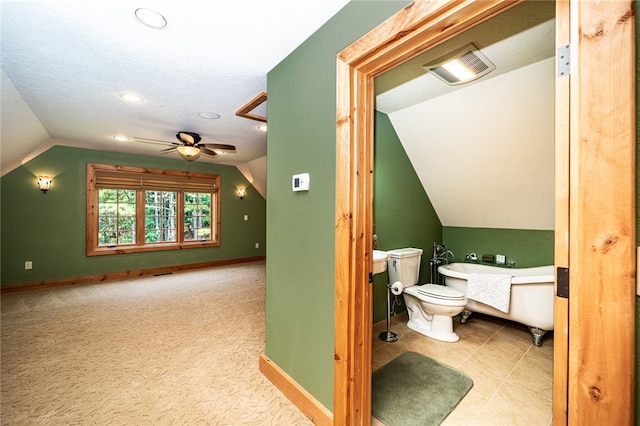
(44, 183)
(242, 192)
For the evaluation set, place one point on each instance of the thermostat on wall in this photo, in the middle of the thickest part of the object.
(300, 182)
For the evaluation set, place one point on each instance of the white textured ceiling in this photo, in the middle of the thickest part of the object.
(64, 64)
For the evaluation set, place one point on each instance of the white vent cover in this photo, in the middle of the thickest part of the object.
(464, 65)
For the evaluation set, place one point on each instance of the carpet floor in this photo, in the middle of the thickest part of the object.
(178, 349)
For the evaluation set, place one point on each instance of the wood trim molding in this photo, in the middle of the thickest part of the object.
(302, 399)
(245, 111)
(112, 276)
(561, 226)
(411, 31)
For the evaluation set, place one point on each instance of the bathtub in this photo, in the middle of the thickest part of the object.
(532, 294)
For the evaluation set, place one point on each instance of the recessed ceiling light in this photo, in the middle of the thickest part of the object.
(151, 18)
(209, 115)
(262, 127)
(130, 97)
(121, 138)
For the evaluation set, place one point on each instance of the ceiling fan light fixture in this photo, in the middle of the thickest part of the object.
(189, 153)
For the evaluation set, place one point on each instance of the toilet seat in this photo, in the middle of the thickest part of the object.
(436, 294)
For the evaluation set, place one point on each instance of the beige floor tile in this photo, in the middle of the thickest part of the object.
(484, 387)
(386, 354)
(474, 332)
(533, 373)
(517, 331)
(525, 401)
(487, 321)
(494, 413)
(494, 358)
(546, 350)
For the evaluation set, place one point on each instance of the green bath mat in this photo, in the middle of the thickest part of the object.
(414, 389)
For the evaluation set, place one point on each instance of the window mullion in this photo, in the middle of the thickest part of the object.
(180, 217)
(140, 218)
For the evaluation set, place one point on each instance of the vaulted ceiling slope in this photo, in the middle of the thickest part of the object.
(484, 151)
(65, 64)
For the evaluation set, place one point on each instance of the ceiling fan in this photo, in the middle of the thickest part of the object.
(190, 146)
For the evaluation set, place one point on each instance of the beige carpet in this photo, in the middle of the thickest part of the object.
(177, 349)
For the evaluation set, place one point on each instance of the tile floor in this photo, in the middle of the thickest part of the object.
(512, 378)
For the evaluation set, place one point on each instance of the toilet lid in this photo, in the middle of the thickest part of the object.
(440, 292)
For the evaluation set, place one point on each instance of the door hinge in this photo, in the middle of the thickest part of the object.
(562, 289)
(564, 60)
(370, 277)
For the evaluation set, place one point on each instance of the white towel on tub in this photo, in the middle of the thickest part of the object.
(491, 289)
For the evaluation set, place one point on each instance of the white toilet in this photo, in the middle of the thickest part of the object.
(431, 307)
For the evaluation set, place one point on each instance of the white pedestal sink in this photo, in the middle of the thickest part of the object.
(380, 261)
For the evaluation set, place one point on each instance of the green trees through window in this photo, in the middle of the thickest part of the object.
(117, 217)
(197, 216)
(160, 215)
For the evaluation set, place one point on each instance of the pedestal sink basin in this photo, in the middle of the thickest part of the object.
(380, 261)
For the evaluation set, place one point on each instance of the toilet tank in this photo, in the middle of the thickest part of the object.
(404, 265)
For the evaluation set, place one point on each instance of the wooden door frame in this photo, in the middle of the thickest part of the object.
(602, 228)
(413, 30)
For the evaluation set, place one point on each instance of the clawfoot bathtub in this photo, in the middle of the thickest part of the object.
(532, 294)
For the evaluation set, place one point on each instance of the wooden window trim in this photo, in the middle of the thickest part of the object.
(166, 178)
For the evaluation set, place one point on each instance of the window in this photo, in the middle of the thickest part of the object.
(116, 217)
(160, 216)
(131, 209)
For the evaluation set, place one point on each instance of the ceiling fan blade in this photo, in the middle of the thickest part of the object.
(173, 148)
(208, 151)
(154, 141)
(231, 149)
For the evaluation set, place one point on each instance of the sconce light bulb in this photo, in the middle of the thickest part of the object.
(44, 183)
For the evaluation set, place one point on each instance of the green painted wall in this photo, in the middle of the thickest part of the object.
(300, 225)
(525, 247)
(49, 229)
(403, 214)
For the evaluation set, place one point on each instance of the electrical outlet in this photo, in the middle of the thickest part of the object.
(28, 265)
(257, 245)
(246, 217)
(501, 259)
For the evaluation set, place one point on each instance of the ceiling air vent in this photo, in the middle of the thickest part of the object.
(462, 66)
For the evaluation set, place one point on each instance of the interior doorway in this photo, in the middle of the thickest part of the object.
(489, 139)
